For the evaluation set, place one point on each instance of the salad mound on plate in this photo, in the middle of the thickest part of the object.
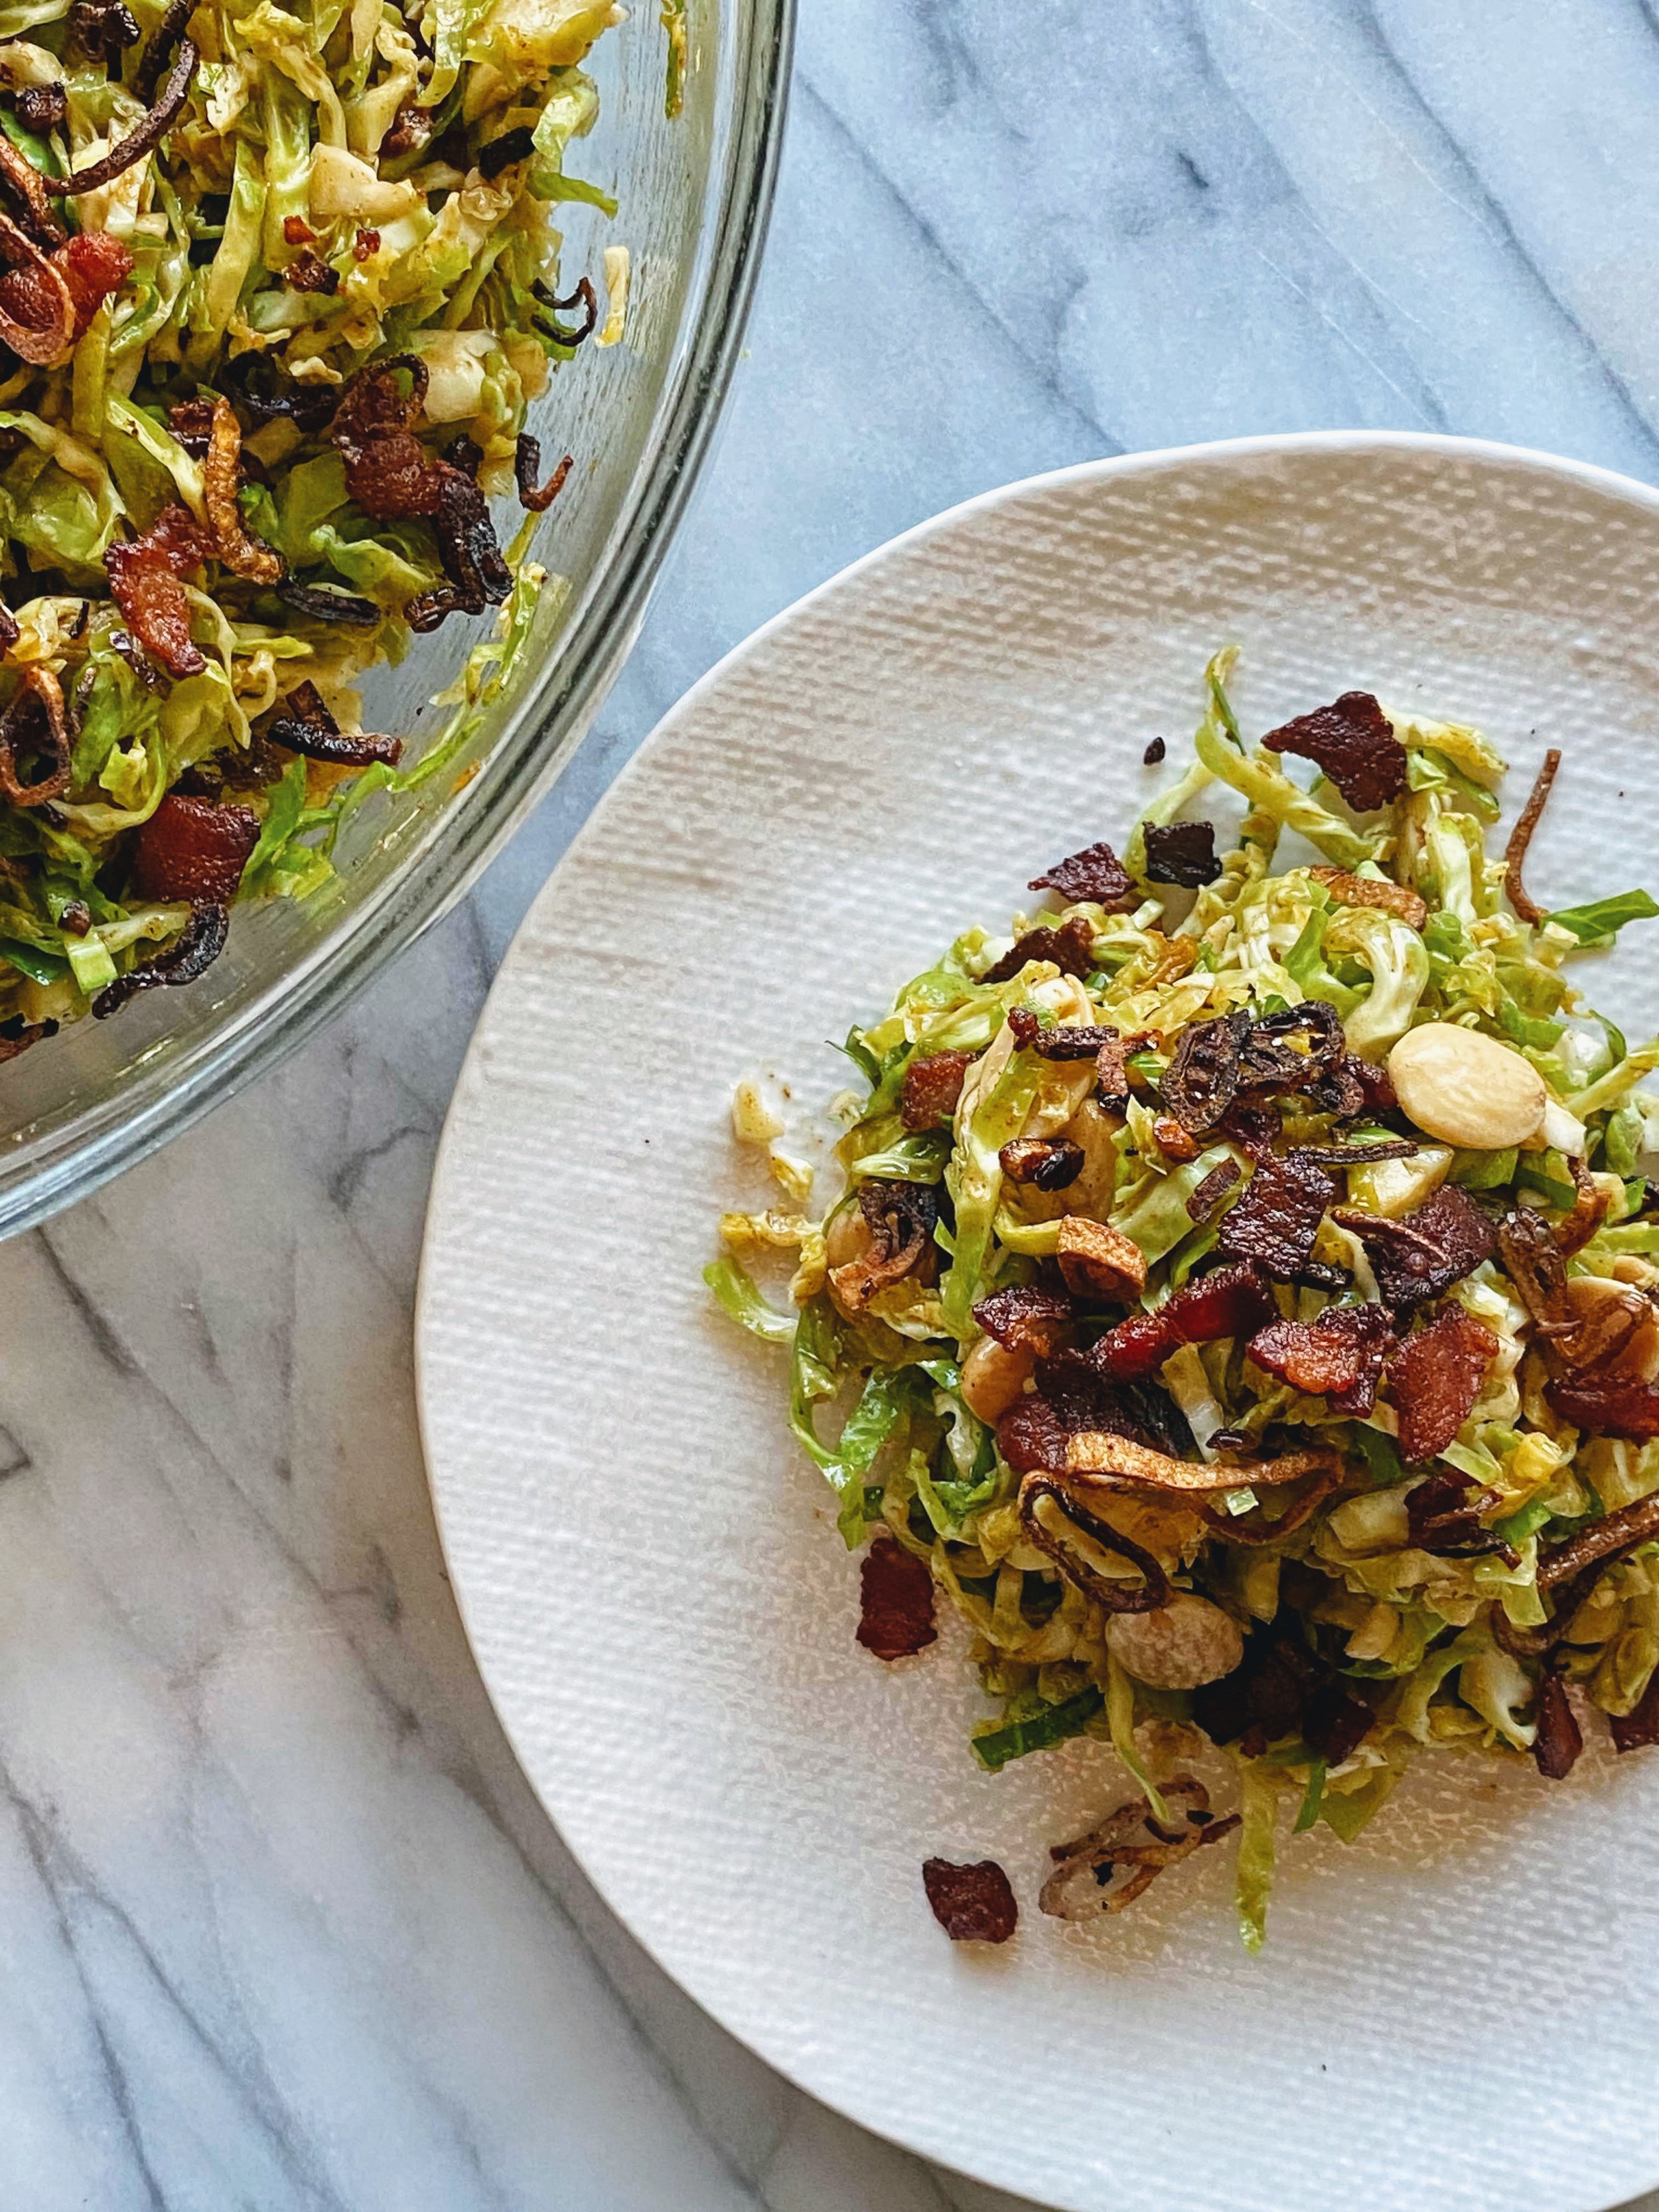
(1243, 1303)
(277, 289)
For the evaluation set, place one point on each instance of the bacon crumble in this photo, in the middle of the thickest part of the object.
(1338, 1355)
(896, 1618)
(1231, 1301)
(1095, 875)
(1277, 1220)
(972, 1904)
(144, 574)
(1071, 948)
(1353, 743)
(1022, 1317)
(1182, 852)
(1435, 1379)
(191, 848)
(1419, 1255)
(932, 1087)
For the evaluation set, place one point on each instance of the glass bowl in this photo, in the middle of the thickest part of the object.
(694, 192)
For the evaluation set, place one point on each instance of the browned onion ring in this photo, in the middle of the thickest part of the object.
(39, 688)
(196, 948)
(221, 473)
(40, 347)
(1112, 1597)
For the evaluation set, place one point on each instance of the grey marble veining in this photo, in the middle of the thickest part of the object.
(281, 1927)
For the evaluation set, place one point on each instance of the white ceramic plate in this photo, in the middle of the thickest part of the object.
(1460, 2011)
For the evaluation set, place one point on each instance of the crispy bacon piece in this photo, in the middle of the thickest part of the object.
(527, 467)
(932, 1087)
(1283, 1689)
(1111, 1593)
(1608, 1405)
(1353, 741)
(1277, 1220)
(1422, 1254)
(366, 245)
(1435, 1378)
(1201, 1081)
(1032, 1435)
(901, 1217)
(1559, 1742)
(1444, 1515)
(1368, 890)
(309, 728)
(1023, 1316)
(1071, 947)
(1214, 1189)
(1233, 1301)
(1338, 1355)
(1635, 1730)
(296, 231)
(1073, 1396)
(411, 126)
(198, 945)
(221, 475)
(1131, 1841)
(1182, 852)
(191, 849)
(972, 1904)
(143, 578)
(896, 1590)
(34, 725)
(1095, 874)
(1046, 1163)
(1515, 851)
(387, 471)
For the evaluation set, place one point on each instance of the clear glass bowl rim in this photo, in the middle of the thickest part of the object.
(154, 1103)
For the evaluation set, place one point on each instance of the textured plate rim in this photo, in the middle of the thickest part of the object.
(1169, 459)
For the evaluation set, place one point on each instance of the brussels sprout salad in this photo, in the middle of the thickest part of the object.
(1243, 1307)
(277, 289)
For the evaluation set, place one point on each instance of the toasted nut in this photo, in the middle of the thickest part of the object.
(1617, 1330)
(1095, 1129)
(1465, 1089)
(1183, 1643)
(1099, 1262)
(1362, 891)
(1179, 1143)
(993, 1378)
(846, 1238)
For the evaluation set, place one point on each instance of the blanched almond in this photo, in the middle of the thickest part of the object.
(994, 1378)
(1184, 1644)
(1465, 1089)
(1099, 1262)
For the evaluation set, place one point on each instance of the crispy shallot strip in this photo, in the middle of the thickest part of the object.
(198, 945)
(17, 171)
(1095, 1856)
(1602, 1541)
(1363, 890)
(144, 137)
(221, 475)
(1147, 1596)
(1588, 1211)
(527, 467)
(1095, 1460)
(1255, 1527)
(309, 729)
(163, 39)
(1515, 851)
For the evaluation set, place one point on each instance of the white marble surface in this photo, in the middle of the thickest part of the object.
(280, 1925)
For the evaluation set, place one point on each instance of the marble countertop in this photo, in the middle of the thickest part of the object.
(281, 1927)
